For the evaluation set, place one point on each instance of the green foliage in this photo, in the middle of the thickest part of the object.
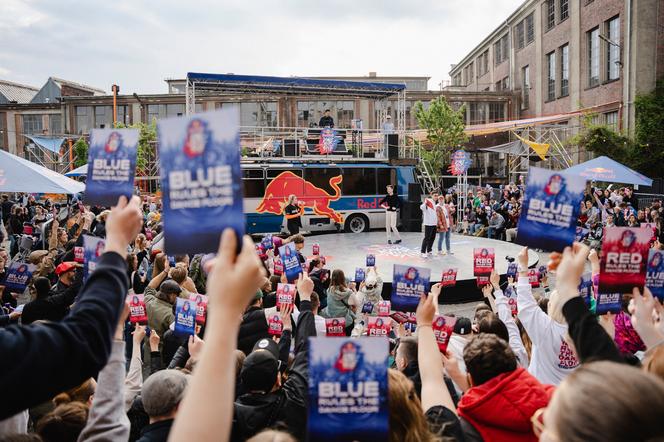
(80, 152)
(643, 153)
(147, 138)
(649, 131)
(445, 133)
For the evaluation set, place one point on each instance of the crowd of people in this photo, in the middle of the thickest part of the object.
(494, 213)
(74, 368)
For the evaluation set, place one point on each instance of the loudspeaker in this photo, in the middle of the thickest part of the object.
(414, 193)
(393, 146)
(291, 148)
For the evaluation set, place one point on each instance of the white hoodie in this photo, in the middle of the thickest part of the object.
(505, 315)
(552, 359)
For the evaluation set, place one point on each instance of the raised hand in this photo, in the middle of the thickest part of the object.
(305, 287)
(234, 279)
(195, 345)
(285, 315)
(123, 224)
(138, 334)
(154, 341)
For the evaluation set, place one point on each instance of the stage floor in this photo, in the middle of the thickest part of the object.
(347, 251)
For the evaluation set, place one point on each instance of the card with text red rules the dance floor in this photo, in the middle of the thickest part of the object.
(624, 259)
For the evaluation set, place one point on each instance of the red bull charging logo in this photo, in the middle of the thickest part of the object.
(310, 196)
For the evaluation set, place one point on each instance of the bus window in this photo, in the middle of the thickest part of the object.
(320, 177)
(359, 181)
(254, 184)
(385, 177)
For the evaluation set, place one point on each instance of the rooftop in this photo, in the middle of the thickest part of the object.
(61, 82)
(16, 92)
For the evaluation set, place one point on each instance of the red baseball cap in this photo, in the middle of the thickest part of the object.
(65, 267)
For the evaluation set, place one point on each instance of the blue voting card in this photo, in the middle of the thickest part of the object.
(550, 209)
(348, 389)
(408, 285)
(291, 261)
(111, 165)
(201, 180)
(93, 248)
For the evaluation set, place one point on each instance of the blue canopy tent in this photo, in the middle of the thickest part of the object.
(79, 171)
(606, 169)
(20, 175)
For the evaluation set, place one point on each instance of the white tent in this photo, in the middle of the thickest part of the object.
(20, 175)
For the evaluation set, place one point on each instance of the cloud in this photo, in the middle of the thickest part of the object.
(138, 43)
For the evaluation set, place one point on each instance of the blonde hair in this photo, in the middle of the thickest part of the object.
(407, 421)
(179, 274)
(654, 362)
(630, 404)
(81, 393)
(272, 436)
(554, 309)
(291, 198)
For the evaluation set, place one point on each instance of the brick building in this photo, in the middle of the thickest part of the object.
(562, 56)
(74, 114)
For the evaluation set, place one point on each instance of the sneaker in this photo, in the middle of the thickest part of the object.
(424, 255)
(389, 241)
(397, 241)
(449, 252)
(442, 253)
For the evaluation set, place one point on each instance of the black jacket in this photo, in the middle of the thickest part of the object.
(326, 121)
(393, 202)
(591, 341)
(43, 360)
(252, 329)
(56, 306)
(157, 432)
(288, 405)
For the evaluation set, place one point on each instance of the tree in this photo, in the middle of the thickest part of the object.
(147, 137)
(80, 152)
(649, 131)
(445, 132)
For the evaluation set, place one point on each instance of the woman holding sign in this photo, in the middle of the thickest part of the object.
(293, 213)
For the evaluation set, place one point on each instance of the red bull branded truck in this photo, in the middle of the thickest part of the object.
(343, 195)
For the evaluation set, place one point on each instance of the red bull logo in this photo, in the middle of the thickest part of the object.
(310, 196)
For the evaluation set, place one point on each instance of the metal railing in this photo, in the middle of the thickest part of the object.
(288, 142)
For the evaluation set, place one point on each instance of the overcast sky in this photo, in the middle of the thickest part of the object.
(139, 43)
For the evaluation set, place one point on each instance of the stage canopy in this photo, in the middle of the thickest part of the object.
(606, 169)
(79, 171)
(291, 85)
(20, 175)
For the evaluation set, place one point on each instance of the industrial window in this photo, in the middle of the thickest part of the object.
(501, 50)
(520, 34)
(593, 57)
(551, 75)
(483, 63)
(530, 28)
(550, 14)
(84, 119)
(496, 112)
(564, 9)
(613, 48)
(612, 120)
(564, 70)
(525, 87)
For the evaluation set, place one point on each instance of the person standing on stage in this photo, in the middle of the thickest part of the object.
(430, 221)
(293, 213)
(443, 212)
(326, 120)
(392, 204)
